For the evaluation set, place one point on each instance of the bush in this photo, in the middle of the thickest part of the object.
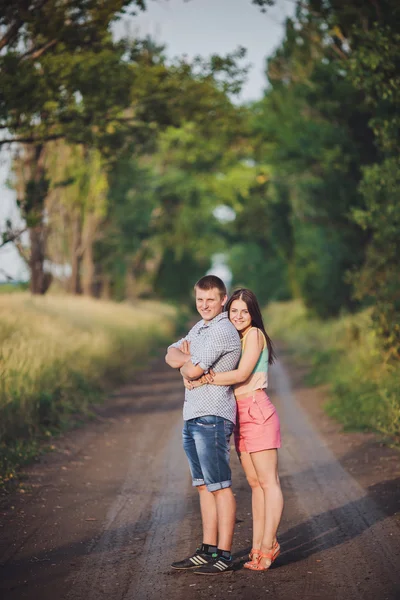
(346, 354)
(59, 354)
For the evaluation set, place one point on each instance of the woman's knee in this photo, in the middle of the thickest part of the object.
(253, 482)
(269, 483)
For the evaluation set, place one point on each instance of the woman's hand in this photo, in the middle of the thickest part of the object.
(188, 384)
(191, 385)
(208, 377)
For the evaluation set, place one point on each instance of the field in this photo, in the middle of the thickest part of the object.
(343, 352)
(58, 355)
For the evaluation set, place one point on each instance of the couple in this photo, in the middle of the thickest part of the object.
(208, 360)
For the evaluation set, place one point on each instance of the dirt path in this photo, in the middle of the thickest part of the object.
(105, 515)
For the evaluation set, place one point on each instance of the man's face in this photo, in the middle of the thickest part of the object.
(209, 303)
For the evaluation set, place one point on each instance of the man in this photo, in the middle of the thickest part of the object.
(209, 414)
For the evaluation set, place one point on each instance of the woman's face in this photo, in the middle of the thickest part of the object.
(240, 316)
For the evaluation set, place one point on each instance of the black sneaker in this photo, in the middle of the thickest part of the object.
(215, 567)
(198, 559)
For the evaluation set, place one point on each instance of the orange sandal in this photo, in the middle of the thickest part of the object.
(253, 561)
(271, 555)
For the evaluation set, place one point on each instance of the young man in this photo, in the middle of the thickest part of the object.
(209, 414)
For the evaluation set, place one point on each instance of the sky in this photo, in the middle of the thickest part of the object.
(186, 27)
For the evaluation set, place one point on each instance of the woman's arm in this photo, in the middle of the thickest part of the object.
(253, 348)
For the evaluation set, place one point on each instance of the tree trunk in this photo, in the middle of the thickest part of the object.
(40, 281)
(34, 187)
(76, 255)
(88, 266)
(131, 291)
(105, 288)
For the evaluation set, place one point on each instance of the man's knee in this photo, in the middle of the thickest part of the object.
(202, 488)
(225, 491)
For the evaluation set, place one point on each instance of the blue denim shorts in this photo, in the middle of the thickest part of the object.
(206, 443)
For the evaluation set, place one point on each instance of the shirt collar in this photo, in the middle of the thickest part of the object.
(223, 315)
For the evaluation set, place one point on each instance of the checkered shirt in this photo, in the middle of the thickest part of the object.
(213, 345)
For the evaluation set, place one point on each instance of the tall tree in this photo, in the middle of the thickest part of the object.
(313, 128)
(62, 76)
(375, 69)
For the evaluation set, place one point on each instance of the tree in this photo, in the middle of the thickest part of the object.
(375, 70)
(312, 127)
(62, 77)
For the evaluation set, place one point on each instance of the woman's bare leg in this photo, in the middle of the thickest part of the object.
(257, 499)
(266, 468)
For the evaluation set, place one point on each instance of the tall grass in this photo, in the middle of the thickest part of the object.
(59, 353)
(364, 390)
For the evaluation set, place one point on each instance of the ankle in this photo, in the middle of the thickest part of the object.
(208, 548)
(226, 554)
(265, 549)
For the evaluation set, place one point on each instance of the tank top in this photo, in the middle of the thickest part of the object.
(258, 380)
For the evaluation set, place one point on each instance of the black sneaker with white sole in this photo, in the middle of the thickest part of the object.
(198, 559)
(217, 566)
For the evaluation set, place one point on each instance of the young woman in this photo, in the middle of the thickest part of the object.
(257, 433)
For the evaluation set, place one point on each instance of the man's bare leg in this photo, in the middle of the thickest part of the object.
(226, 515)
(208, 509)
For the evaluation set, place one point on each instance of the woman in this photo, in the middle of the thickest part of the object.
(257, 433)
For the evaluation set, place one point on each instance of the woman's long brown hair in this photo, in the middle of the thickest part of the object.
(256, 317)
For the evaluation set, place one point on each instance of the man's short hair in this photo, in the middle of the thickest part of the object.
(208, 282)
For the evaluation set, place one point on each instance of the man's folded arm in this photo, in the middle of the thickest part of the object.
(191, 371)
(175, 358)
(204, 358)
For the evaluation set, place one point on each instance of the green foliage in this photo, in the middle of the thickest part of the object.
(312, 128)
(177, 275)
(345, 354)
(320, 259)
(265, 274)
(375, 70)
(379, 279)
(309, 173)
(61, 73)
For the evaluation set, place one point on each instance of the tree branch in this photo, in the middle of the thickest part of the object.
(32, 140)
(23, 252)
(12, 236)
(37, 53)
(10, 34)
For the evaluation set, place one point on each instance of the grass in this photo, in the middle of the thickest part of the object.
(58, 355)
(343, 352)
(12, 288)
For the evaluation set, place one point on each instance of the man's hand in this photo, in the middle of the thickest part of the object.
(185, 347)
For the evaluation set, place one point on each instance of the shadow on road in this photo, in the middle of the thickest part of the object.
(334, 527)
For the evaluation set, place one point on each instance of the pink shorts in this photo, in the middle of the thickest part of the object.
(257, 425)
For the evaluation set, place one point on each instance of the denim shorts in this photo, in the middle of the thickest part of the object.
(206, 443)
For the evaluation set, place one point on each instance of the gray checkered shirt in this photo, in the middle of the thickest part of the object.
(214, 345)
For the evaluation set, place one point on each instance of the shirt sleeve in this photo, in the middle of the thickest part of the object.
(187, 338)
(178, 343)
(211, 351)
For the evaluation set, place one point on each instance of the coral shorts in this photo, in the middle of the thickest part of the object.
(257, 425)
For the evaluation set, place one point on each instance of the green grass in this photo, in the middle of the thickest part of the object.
(11, 288)
(344, 353)
(59, 354)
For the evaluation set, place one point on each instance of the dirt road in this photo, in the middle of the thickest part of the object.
(105, 515)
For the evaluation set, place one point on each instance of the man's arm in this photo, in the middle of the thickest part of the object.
(175, 358)
(205, 357)
(191, 371)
